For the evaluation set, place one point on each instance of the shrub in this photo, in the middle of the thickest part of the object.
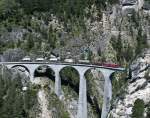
(15, 104)
(138, 109)
(148, 111)
(147, 75)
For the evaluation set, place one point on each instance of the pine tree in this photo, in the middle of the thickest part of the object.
(148, 111)
(7, 110)
(30, 43)
(18, 106)
(1, 94)
(138, 109)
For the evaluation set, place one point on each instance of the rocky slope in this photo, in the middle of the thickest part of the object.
(21, 98)
(107, 35)
(137, 88)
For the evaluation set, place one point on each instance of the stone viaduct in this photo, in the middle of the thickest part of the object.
(82, 69)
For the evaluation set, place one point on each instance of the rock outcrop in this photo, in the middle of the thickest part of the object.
(137, 88)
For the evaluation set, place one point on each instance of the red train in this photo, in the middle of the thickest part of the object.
(113, 65)
(107, 65)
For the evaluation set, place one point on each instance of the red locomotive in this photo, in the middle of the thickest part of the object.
(113, 65)
(107, 64)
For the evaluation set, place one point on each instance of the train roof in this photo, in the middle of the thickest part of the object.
(40, 59)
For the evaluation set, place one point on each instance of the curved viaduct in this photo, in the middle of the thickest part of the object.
(81, 68)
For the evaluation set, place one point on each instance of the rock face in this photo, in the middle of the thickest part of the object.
(127, 23)
(13, 34)
(13, 55)
(138, 87)
(139, 69)
(44, 105)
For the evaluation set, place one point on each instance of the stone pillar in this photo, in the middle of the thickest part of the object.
(31, 77)
(32, 70)
(107, 93)
(57, 83)
(82, 103)
(57, 69)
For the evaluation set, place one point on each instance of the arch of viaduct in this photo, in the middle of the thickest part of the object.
(82, 69)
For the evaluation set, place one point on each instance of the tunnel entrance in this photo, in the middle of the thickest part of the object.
(44, 71)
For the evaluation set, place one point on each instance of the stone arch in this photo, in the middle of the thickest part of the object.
(93, 68)
(44, 70)
(94, 95)
(71, 85)
(22, 67)
(74, 81)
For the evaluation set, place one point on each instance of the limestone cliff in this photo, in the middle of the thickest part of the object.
(137, 88)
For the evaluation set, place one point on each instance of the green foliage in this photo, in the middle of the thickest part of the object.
(64, 9)
(138, 109)
(119, 85)
(141, 42)
(65, 115)
(123, 52)
(94, 98)
(20, 12)
(147, 1)
(147, 74)
(14, 103)
(89, 56)
(128, 53)
(7, 8)
(134, 20)
(99, 52)
(70, 77)
(117, 45)
(52, 37)
(113, 1)
(60, 7)
(57, 107)
(30, 42)
(148, 111)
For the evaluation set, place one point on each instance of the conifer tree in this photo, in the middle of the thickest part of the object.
(138, 109)
(148, 111)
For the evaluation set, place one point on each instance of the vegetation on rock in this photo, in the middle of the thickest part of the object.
(14, 102)
(148, 111)
(138, 109)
